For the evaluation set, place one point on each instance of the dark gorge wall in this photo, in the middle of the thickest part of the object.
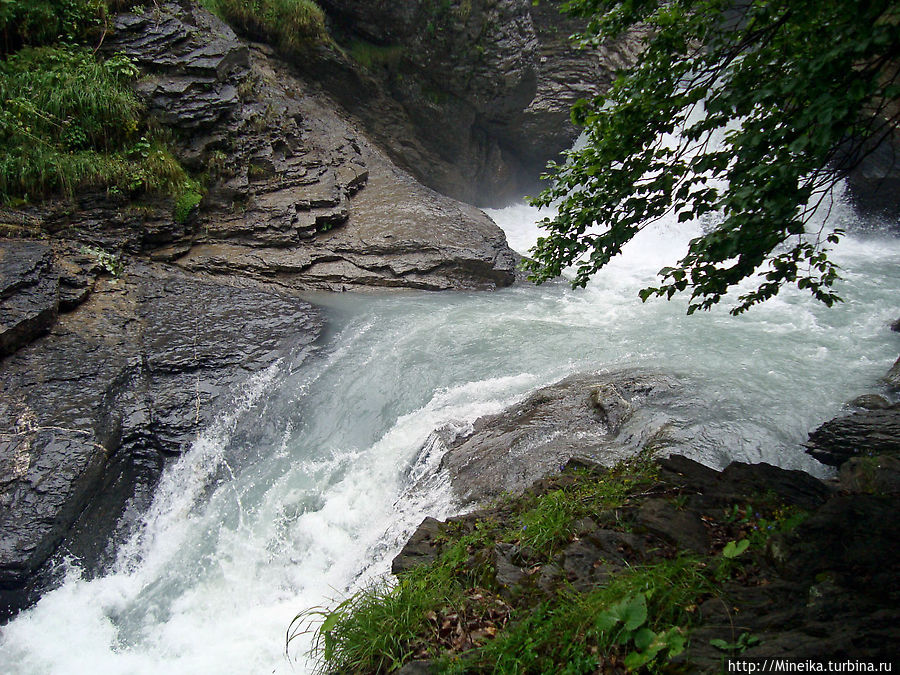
(471, 96)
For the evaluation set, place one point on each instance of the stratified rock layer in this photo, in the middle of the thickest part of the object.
(868, 432)
(300, 197)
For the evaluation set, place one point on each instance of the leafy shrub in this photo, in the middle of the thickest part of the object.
(43, 22)
(291, 25)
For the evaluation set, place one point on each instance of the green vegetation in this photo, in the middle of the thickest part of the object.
(110, 263)
(43, 22)
(452, 609)
(290, 25)
(639, 616)
(371, 56)
(798, 89)
(185, 203)
(466, 612)
(69, 119)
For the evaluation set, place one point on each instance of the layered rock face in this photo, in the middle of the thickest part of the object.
(125, 330)
(471, 96)
(299, 196)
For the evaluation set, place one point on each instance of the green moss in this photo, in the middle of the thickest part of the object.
(371, 56)
(185, 204)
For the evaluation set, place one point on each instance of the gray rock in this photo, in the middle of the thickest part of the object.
(582, 415)
(847, 535)
(300, 197)
(507, 573)
(892, 378)
(869, 402)
(48, 477)
(867, 433)
(420, 549)
(879, 475)
(416, 668)
(29, 293)
(679, 527)
(137, 370)
(874, 180)
(793, 487)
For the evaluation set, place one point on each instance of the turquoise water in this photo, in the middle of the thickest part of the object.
(307, 487)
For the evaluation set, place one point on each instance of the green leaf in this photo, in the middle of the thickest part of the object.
(643, 638)
(632, 611)
(721, 645)
(605, 621)
(636, 660)
(734, 549)
(788, 105)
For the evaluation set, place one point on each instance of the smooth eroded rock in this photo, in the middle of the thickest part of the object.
(581, 416)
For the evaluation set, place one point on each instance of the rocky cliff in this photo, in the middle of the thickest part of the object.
(124, 330)
(471, 96)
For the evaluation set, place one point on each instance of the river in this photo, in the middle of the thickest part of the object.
(304, 491)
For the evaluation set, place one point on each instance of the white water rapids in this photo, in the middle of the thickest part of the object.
(301, 494)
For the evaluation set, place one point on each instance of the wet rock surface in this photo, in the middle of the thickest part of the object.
(29, 294)
(128, 378)
(600, 418)
(870, 432)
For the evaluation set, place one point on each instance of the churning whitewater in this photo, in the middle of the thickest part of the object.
(306, 489)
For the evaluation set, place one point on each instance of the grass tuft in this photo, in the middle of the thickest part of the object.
(291, 25)
(70, 121)
(371, 56)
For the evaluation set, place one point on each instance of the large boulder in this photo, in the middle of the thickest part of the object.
(601, 418)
